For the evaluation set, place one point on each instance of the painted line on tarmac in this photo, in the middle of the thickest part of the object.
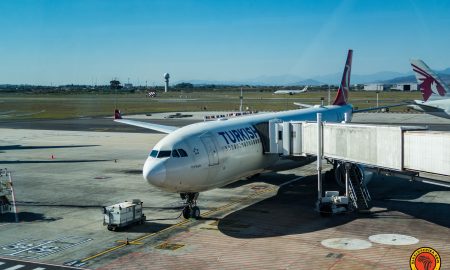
(139, 239)
(39, 263)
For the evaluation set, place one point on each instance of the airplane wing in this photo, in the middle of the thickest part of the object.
(303, 105)
(380, 107)
(160, 128)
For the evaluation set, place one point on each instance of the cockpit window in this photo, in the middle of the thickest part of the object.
(175, 153)
(154, 153)
(182, 153)
(163, 154)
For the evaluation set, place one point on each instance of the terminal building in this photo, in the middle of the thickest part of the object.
(374, 87)
(398, 87)
(405, 87)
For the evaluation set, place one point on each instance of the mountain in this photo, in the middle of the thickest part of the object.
(308, 82)
(287, 79)
(412, 79)
(387, 77)
(400, 79)
(445, 71)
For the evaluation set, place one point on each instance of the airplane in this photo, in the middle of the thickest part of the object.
(213, 154)
(291, 92)
(435, 93)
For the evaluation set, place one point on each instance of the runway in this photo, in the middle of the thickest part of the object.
(105, 124)
(102, 124)
(62, 178)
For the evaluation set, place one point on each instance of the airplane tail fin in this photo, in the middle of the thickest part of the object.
(430, 84)
(342, 94)
(117, 114)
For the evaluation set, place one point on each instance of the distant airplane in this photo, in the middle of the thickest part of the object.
(213, 154)
(435, 94)
(291, 92)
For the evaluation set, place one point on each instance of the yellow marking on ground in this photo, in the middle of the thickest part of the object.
(137, 240)
(104, 252)
(129, 242)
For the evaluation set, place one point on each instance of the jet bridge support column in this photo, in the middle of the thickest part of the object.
(319, 156)
(13, 197)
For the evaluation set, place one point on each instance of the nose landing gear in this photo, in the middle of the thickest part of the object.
(190, 209)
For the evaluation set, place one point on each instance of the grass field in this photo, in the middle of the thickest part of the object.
(59, 106)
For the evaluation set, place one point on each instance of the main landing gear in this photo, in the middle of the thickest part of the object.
(190, 209)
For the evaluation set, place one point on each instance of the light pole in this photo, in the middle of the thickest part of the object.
(329, 94)
(377, 96)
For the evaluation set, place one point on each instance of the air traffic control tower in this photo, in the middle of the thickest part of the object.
(166, 79)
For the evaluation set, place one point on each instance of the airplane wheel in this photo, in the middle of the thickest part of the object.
(186, 212)
(195, 212)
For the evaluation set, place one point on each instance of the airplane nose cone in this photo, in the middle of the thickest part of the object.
(154, 172)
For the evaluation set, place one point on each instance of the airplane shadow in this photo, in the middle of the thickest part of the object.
(396, 194)
(274, 177)
(23, 147)
(97, 206)
(147, 227)
(269, 178)
(292, 209)
(26, 217)
(52, 161)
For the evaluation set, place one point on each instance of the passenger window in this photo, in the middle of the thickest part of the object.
(182, 153)
(175, 153)
(163, 154)
(154, 153)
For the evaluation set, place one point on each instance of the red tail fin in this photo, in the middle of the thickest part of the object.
(117, 114)
(342, 94)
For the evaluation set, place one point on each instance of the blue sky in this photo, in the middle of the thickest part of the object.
(81, 41)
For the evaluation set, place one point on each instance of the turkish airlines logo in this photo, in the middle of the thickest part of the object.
(429, 84)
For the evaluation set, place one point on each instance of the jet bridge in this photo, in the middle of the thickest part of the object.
(405, 151)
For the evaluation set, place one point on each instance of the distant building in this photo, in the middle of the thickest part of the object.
(374, 87)
(128, 85)
(405, 87)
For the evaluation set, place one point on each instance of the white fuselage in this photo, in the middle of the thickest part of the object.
(220, 152)
(289, 92)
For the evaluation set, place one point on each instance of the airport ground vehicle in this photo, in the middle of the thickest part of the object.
(123, 214)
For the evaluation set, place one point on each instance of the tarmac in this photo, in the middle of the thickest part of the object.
(63, 178)
(104, 124)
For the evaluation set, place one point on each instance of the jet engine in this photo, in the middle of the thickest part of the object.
(355, 170)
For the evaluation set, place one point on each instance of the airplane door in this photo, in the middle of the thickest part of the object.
(213, 156)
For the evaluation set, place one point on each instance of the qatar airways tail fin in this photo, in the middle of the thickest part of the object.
(431, 86)
(117, 114)
(342, 94)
